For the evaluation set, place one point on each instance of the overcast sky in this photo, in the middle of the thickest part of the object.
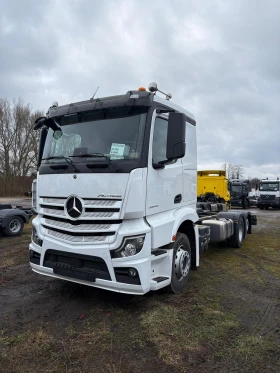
(219, 59)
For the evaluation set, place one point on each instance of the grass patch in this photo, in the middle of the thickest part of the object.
(177, 331)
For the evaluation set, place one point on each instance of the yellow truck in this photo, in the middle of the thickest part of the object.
(212, 186)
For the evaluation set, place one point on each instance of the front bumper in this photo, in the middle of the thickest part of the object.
(237, 202)
(270, 203)
(92, 265)
(113, 285)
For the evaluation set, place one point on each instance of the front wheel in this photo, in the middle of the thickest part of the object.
(14, 226)
(181, 263)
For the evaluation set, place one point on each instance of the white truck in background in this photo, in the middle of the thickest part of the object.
(116, 195)
(269, 194)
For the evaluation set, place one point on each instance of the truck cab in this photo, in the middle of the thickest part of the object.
(115, 195)
(116, 182)
(239, 193)
(269, 194)
(212, 185)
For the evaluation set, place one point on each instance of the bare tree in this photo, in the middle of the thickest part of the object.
(18, 141)
(233, 171)
(254, 183)
(7, 135)
(24, 150)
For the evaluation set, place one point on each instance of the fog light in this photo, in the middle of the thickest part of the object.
(132, 272)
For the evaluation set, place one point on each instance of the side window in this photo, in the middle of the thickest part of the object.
(160, 140)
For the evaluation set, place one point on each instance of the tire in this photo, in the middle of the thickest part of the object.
(181, 264)
(245, 204)
(13, 227)
(237, 238)
(266, 207)
(261, 207)
(246, 226)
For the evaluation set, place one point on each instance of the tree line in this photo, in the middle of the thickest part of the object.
(18, 144)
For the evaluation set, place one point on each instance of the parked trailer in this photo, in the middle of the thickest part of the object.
(12, 220)
(116, 195)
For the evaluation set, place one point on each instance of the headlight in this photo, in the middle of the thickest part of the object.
(130, 246)
(35, 237)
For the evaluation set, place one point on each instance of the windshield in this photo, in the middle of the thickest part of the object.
(269, 187)
(116, 133)
(236, 188)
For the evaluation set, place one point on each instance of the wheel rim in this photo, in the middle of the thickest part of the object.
(240, 232)
(182, 263)
(247, 225)
(14, 225)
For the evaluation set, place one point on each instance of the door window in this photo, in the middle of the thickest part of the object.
(160, 140)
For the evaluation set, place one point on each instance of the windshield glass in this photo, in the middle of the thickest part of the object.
(269, 187)
(116, 133)
(236, 188)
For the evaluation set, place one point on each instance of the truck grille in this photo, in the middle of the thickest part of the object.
(267, 197)
(98, 223)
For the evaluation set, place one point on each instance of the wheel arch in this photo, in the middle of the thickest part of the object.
(187, 227)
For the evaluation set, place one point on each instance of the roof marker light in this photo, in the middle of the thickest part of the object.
(153, 88)
(141, 89)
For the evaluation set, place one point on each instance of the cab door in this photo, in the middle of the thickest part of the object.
(164, 185)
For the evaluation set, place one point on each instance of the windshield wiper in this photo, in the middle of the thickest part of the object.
(67, 159)
(100, 155)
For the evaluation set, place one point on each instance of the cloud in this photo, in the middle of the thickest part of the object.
(220, 60)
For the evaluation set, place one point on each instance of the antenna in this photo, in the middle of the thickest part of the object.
(95, 93)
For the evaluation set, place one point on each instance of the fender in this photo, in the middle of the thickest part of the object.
(7, 214)
(164, 225)
(181, 215)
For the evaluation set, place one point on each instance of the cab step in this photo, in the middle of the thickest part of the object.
(159, 282)
(160, 279)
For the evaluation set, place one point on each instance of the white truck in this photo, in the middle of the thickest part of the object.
(269, 193)
(116, 195)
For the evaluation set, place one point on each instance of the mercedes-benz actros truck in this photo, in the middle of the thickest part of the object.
(269, 194)
(115, 195)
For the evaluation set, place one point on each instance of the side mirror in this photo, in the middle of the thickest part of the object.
(44, 121)
(39, 122)
(176, 132)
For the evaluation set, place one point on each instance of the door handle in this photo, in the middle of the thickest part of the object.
(178, 198)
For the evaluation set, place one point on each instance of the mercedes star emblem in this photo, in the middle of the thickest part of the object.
(73, 207)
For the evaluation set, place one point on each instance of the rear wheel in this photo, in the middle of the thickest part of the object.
(14, 226)
(237, 238)
(246, 226)
(181, 264)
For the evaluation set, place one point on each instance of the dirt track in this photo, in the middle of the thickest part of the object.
(226, 320)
